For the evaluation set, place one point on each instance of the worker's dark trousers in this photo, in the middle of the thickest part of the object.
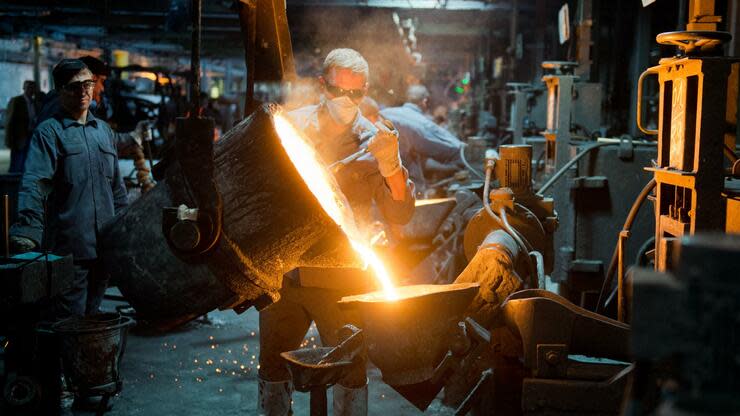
(88, 287)
(284, 324)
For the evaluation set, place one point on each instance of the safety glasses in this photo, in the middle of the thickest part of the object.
(340, 92)
(80, 86)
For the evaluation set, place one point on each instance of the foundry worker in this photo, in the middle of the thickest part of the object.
(378, 179)
(421, 137)
(126, 143)
(72, 165)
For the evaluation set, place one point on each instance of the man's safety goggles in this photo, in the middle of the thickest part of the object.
(340, 92)
(80, 86)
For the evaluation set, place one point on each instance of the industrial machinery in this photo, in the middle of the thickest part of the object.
(694, 134)
(684, 325)
(590, 182)
(533, 352)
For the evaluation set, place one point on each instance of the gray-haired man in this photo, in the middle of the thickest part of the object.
(337, 129)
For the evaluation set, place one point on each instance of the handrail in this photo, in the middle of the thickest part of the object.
(647, 72)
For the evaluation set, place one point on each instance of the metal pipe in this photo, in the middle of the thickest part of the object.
(570, 163)
(466, 163)
(647, 72)
(501, 223)
(37, 63)
(524, 244)
(623, 236)
(626, 227)
(248, 23)
(540, 261)
(195, 59)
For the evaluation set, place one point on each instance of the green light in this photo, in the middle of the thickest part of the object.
(459, 90)
(465, 81)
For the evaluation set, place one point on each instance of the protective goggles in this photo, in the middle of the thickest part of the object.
(340, 92)
(80, 86)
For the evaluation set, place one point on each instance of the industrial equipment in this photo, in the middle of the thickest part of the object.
(683, 329)
(694, 133)
(248, 218)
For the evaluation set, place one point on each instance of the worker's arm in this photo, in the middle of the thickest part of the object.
(395, 197)
(438, 144)
(398, 208)
(398, 184)
(40, 165)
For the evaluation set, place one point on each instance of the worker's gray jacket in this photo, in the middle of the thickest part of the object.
(125, 142)
(420, 139)
(81, 164)
(360, 180)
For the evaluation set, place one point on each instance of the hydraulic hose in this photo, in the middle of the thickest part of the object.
(570, 163)
(504, 223)
(626, 227)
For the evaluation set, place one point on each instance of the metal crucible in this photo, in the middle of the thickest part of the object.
(407, 337)
(270, 223)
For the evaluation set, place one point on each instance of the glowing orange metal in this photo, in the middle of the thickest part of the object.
(322, 185)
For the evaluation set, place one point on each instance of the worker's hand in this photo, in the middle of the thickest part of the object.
(142, 132)
(384, 147)
(20, 244)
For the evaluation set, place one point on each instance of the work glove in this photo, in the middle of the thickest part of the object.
(20, 244)
(384, 147)
(142, 132)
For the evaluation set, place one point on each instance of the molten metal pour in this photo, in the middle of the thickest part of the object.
(320, 182)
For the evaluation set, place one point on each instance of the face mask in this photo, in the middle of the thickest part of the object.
(342, 109)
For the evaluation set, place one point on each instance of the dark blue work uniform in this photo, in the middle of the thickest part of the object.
(420, 139)
(87, 191)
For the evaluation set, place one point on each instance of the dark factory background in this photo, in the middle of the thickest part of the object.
(572, 249)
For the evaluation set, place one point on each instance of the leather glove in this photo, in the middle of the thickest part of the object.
(142, 132)
(20, 244)
(384, 147)
(497, 278)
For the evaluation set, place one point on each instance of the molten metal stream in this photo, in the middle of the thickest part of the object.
(321, 184)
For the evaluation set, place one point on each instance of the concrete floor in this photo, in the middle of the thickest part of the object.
(211, 369)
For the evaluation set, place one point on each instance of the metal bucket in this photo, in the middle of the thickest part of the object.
(91, 351)
(408, 337)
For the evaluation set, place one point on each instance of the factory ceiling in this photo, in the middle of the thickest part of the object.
(162, 26)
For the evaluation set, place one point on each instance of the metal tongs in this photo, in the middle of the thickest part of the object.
(382, 125)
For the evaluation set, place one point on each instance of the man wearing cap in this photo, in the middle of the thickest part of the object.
(125, 142)
(72, 169)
